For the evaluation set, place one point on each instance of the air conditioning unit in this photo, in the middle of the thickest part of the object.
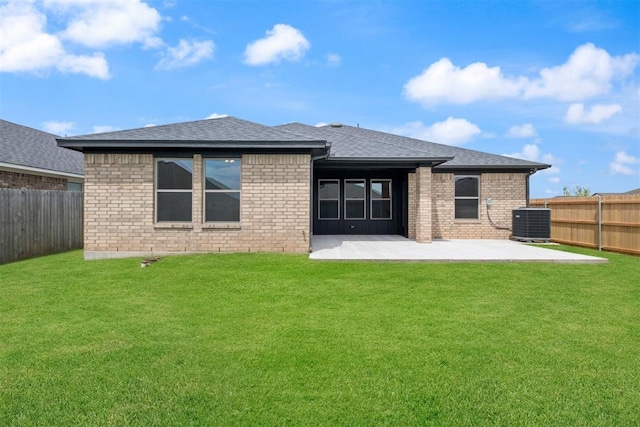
(531, 224)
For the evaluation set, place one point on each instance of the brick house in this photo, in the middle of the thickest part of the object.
(227, 184)
(30, 158)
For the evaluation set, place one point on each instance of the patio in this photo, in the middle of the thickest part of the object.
(398, 248)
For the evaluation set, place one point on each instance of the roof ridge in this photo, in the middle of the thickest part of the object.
(384, 142)
(443, 146)
(30, 128)
(158, 126)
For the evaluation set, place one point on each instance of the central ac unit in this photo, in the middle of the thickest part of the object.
(531, 224)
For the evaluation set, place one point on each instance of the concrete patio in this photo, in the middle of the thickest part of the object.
(398, 248)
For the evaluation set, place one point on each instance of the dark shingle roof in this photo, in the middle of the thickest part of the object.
(347, 143)
(631, 192)
(223, 131)
(346, 146)
(24, 146)
(462, 158)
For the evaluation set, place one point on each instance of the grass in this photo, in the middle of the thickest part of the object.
(262, 339)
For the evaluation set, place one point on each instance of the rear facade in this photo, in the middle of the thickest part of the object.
(231, 185)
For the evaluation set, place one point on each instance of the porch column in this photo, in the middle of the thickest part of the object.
(423, 205)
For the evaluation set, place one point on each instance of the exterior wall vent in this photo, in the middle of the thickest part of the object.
(531, 224)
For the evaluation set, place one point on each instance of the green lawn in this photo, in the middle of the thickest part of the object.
(260, 339)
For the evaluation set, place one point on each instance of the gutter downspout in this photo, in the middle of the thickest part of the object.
(528, 195)
(313, 159)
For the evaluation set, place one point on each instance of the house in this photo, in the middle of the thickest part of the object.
(634, 192)
(30, 158)
(227, 184)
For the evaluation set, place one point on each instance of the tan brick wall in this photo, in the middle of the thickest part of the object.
(507, 191)
(119, 207)
(423, 189)
(37, 182)
(412, 205)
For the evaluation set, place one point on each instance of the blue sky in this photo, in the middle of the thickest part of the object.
(556, 82)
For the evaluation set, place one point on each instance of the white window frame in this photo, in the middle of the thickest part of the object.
(158, 190)
(390, 199)
(336, 200)
(363, 199)
(205, 191)
(455, 197)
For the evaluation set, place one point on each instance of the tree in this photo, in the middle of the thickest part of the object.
(578, 191)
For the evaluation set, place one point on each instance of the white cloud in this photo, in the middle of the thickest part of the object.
(320, 124)
(554, 180)
(525, 130)
(104, 128)
(590, 71)
(598, 113)
(529, 152)
(281, 42)
(334, 59)
(553, 170)
(452, 131)
(101, 23)
(26, 47)
(623, 164)
(444, 83)
(58, 128)
(185, 54)
(216, 116)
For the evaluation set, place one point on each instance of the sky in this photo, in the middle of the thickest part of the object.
(556, 82)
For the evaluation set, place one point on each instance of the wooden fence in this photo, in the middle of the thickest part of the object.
(606, 222)
(39, 222)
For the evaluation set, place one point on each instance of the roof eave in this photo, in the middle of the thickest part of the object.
(438, 160)
(81, 144)
(535, 167)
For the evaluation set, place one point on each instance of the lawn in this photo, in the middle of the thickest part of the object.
(262, 339)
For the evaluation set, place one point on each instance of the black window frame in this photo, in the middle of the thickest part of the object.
(362, 199)
(336, 200)
(462, 198)
(372, 199)
(206, 191)
(158, 190)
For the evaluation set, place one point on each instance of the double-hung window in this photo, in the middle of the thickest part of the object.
(174, 190)
(222, 190)
(355, 191)
(467, 197)
(380, 199)
(329, 199)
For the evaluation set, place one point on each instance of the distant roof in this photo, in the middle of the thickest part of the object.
(627, 193)
(26, 147)
(354, 142)
(222, 132)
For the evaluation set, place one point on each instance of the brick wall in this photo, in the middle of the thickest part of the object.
(36, 182)
(507, 191)
(423, 203)
(119, 208)
(412, 204)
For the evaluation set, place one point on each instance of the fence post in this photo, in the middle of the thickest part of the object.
(599, 222)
